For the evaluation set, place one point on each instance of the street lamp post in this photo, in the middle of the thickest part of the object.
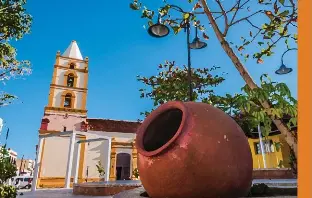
(283, 69)
(160, 30)
(189, 69)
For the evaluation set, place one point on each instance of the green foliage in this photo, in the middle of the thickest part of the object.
(246, 109)
(270, 21)
(293, 162)
(7, 191)
(262, 190)
(280, 164)
(6, 99)
(15, 23)
(100, 169)
(7, 169)
(135, 173)
(171, 83)
(277, 146)
(258, 189)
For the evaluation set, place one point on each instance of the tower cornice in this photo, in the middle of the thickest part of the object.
(63, 109)
(75, 69)
(76, 59)
(68, 88)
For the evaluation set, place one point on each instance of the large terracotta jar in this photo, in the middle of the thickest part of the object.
(193, 150)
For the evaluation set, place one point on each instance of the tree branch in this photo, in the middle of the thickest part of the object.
(244, 18)
(253, 24)
(204, 12)
(6, 72)
(254, 37)
(244, 4)
(238, 5)
(226, 27)
(238, 8)
(294, 25)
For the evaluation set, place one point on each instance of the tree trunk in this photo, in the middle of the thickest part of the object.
(290, 139)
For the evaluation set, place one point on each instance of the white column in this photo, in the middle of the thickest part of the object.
(108, 159)
(70, 160)
(77, 164)
(37, 165)
(261, 147)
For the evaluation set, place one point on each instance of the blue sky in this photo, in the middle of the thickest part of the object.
(119, 48)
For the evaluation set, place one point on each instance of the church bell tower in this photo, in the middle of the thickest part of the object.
(66, 106)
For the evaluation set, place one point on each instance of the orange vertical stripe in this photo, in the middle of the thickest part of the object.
(41, 162)
(304, 99)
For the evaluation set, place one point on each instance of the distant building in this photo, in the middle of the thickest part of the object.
(25, 167)
(13, 155)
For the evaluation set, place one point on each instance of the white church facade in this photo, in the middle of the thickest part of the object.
(66, 111)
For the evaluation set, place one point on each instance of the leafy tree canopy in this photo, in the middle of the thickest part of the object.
(270, 21)
(171, 83)
(14, 24)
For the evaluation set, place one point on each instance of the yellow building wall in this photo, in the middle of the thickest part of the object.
(272, 159)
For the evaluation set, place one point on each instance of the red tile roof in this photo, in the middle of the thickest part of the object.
(107, 125)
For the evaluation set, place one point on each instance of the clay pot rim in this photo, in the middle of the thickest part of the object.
(142, 129)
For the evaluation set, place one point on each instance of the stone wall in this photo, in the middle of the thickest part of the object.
(282, 173)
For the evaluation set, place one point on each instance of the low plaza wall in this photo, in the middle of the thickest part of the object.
(278, 173)
(104, 188)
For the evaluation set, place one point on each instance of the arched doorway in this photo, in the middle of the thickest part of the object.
(123, 166)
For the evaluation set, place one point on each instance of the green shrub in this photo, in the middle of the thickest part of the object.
(100, 169)
(7, 191)
(7, 171)
(135, 173)
(258, 190)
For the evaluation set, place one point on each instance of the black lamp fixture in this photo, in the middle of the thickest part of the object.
(283, 69)
(158, 30)
(197, 43)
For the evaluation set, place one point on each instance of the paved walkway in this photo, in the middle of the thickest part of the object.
(67, 193)
(55, 193)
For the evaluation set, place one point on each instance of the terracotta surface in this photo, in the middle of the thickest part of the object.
(193, 150)
(273, 174)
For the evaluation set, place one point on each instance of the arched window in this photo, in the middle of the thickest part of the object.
(72, 66)
(70, 80)
(68, 100)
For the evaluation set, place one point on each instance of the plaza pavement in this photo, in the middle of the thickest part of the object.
(67, 193)
(53, 193)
